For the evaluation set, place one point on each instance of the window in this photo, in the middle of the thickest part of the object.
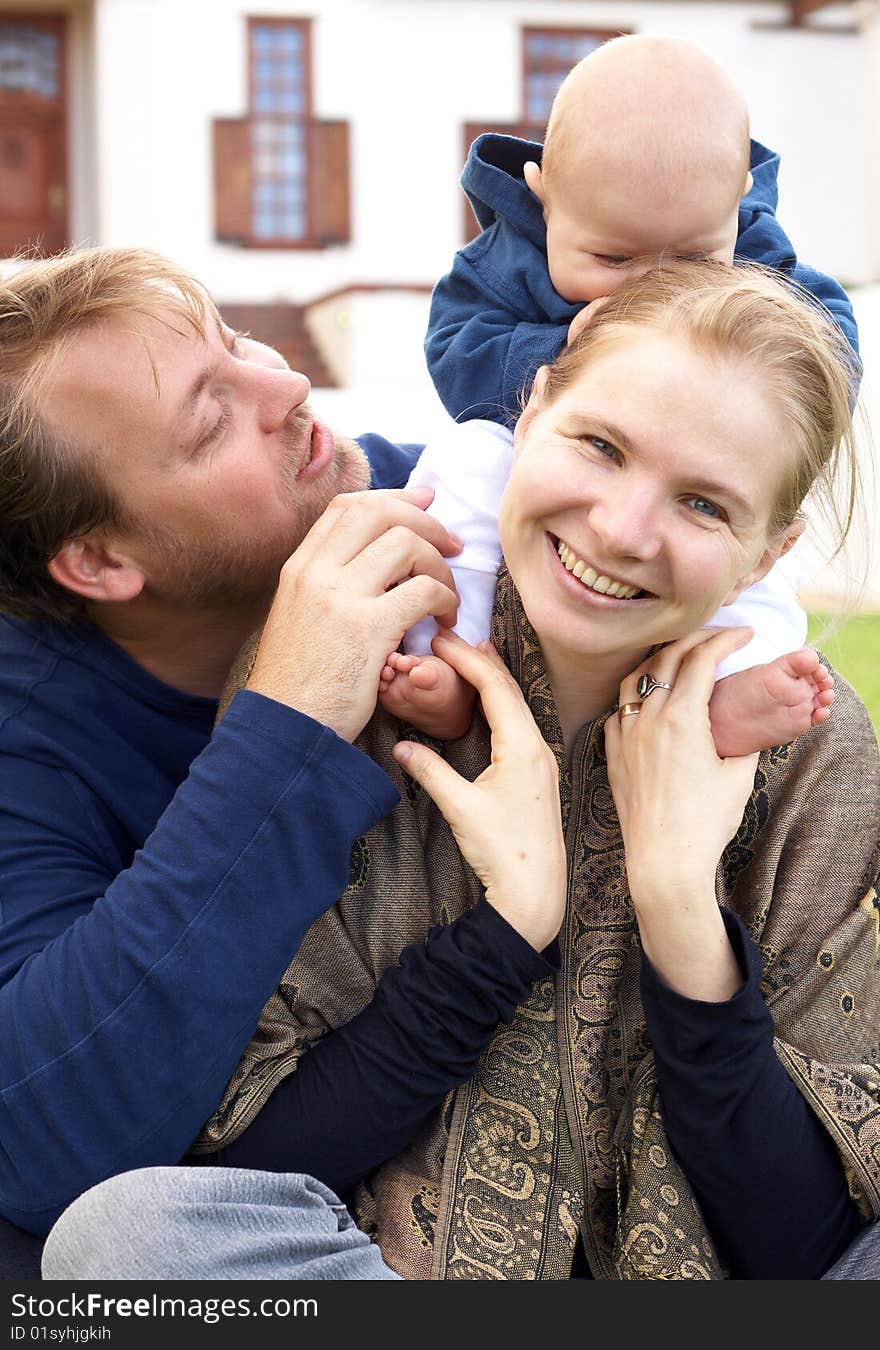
(548, 54)
(281, 177)
(279, 99)
(33, 134)
(29, 60)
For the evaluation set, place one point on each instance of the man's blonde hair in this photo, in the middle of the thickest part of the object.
(795, 351)
(51, 488)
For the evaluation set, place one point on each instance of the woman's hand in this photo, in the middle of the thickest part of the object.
(679, 806)
(507, 822)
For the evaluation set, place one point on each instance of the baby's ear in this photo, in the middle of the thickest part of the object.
(534, 179)
(749, 184)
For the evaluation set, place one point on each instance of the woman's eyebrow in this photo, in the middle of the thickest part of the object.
(713, 489)
(609, 431)
(605, 430)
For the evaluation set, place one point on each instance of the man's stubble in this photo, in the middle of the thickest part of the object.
(218, 573)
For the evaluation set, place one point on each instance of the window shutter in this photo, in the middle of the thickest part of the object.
(330, 183)
(232, 180)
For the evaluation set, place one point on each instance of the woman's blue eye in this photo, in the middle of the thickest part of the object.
(604, 447)
(703, 507)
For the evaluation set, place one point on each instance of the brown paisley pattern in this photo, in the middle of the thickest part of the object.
(560, 1131)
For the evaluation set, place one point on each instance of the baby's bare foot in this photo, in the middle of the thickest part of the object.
(770, 705)
(426, 692)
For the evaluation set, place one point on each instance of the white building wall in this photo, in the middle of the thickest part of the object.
(407, 74)
(149, 76)
(868, 12)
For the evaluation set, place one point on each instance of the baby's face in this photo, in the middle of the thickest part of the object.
(597, 242)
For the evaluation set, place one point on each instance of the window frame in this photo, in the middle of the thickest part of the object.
(308, 239)
(49, 116)
(525, 127)
(540, 30)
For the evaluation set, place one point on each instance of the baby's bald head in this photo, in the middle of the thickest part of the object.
(648, 147)
(650, 105)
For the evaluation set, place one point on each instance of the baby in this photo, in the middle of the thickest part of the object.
(647, 156)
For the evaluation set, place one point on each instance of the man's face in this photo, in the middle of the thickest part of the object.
(210, 448)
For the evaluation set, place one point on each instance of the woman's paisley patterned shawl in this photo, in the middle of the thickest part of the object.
(560, 1131)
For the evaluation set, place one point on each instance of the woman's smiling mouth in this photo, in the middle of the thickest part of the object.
(597, 582)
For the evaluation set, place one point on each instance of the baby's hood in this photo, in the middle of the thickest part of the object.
(493, 180)
(764, 192)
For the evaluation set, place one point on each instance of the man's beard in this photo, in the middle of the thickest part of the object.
(217, 573)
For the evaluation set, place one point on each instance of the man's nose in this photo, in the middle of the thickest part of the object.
(282, 391)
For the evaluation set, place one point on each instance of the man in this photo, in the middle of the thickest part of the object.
(156, 473)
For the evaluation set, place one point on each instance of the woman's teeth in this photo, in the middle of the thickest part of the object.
(593, 579)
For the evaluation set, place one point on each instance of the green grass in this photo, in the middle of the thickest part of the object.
(854, 650)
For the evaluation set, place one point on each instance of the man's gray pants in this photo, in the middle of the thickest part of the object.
(224, 1223)
(210, 1223)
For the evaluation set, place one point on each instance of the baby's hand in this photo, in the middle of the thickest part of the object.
(429, 694)
(770, 705)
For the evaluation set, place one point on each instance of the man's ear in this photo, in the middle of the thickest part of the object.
(95, 569)
(786, 539)
(534, 180)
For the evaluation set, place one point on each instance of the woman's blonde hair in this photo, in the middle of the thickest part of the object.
(795, 348)
(51, 488)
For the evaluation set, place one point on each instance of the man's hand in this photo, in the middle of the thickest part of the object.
(368, 569)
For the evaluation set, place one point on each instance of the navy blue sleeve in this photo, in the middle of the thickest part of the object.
(360, 1095)
(762, 239)
(767, 1176)
(390, 464)
(834, 298)
(483, 348)
(121, 1026)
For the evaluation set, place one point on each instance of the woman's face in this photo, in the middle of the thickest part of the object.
(657, 472)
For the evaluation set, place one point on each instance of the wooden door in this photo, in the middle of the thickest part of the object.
(33, 134)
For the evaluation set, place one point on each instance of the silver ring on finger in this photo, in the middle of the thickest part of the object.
(647, 684)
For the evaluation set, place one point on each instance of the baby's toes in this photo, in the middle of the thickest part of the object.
(403, 663)
(803, 664)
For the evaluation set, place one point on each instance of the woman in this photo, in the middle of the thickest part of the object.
(670, 449)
